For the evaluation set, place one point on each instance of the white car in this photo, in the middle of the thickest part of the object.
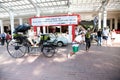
(58, 40)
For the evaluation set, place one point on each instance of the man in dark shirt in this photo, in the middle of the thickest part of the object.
(99, 35)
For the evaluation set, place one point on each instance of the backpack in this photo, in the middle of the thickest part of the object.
(3, 35)
(8, 37)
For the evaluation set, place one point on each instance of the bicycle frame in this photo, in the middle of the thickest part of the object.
(22, 42)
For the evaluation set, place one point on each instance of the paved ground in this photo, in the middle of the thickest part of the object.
(100, 63)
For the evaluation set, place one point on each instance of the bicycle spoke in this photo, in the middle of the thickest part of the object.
(48, 51)
(15, 49)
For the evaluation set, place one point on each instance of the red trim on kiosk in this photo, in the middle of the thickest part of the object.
(73, 32)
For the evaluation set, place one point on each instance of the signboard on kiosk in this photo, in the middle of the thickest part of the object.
(54, 21)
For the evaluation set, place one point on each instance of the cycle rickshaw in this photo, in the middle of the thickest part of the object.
(20, 45)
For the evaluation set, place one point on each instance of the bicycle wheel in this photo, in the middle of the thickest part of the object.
(48, 51)
(15, 49)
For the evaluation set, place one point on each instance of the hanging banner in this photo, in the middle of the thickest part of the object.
(58, 20)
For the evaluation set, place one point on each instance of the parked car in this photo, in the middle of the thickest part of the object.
(58, 40)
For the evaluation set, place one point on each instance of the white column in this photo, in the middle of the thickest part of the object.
(1, 26)
(20, 21)
(116, 23)
(69, 27)
(47, 29)
(37, 12)
(38, 15)
(99, 20)
(12, 22)
(104, 18)
(70, 34)
(38, 30)
(111, 21)
(44, 30)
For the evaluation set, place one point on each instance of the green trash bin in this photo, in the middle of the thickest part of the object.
(75, 47)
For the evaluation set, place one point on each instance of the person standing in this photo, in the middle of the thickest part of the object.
(3, 36)
(79, 39)
(8, 37)
(113, 35)
(105, 35)
(88, 39)
(99, 36)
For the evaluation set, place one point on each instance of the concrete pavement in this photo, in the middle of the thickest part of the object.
(100, 63)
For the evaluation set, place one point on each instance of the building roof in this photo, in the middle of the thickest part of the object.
(52, 7)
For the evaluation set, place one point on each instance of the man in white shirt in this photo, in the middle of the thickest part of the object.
(78, 40)
(31, 36)
(105, 35)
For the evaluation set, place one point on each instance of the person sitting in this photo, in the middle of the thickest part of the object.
(31, 36)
